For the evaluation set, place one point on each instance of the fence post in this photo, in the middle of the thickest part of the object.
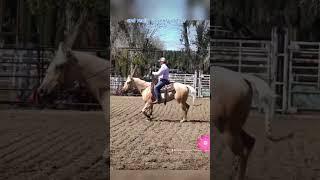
(240, 56)
(200, 83)
(273, 60)
(285, 70)
(280, 61)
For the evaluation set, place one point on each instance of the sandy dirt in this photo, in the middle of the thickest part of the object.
(49, 144)
(293, 159)
(137, 144)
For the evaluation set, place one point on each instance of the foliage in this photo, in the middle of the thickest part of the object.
(63, 16)
(255, 18)
(42, 7)
(133, 34)
(201, 42)
(140, 34)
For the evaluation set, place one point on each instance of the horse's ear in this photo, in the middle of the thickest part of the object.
(133, 70)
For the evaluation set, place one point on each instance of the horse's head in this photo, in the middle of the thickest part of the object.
(57, 71)
(129, 84)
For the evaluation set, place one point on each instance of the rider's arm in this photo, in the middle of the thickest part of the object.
(161, 70)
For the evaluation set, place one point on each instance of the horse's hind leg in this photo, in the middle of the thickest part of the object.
(249, 142)
(185, 108)
(241, 146)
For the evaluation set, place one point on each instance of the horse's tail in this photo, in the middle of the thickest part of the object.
(264, 94)
(192, 92)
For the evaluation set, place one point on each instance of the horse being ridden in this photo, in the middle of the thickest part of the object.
(180, 94)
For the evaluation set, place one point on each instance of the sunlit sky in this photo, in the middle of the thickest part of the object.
(174, 11)
(169, 32)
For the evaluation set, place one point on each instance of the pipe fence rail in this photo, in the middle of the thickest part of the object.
(292, 68)
(199, 81)
(22, 70)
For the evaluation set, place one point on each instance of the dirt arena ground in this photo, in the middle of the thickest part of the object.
(137, 144)
(50, 144)
(294, 159)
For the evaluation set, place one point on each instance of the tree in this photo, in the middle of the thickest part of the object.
(255, 18)
(133, 34)
(69, 15)
(201, 42)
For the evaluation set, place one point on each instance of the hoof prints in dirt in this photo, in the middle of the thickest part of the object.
(295, 158)
(138, 144)
(52, 145)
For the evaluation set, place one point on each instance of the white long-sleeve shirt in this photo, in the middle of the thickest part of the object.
(163, 72)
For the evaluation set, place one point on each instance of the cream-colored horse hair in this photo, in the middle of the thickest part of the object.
(181, 94)
(92, 69)
(230, 106)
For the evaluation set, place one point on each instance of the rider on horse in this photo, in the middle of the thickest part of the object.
(163, 74)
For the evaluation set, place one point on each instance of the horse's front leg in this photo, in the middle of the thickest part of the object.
(144, 110)
(151, 110)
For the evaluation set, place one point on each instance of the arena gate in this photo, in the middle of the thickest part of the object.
(292, 68)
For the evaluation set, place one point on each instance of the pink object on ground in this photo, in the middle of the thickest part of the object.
(203, 143)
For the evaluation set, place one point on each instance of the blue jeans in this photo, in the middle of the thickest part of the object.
(157, 88)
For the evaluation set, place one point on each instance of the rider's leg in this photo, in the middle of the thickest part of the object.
(157, 90)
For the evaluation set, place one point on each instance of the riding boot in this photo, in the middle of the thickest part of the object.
(156, 102)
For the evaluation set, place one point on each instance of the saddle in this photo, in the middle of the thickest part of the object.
(169, 88)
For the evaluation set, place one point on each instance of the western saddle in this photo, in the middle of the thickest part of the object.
(165, 89)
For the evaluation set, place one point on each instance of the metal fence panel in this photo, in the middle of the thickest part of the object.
(202, 86)
(304, 76)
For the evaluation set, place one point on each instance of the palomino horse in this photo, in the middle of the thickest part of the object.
(68, 66)
(231, 103)
(181, 94)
